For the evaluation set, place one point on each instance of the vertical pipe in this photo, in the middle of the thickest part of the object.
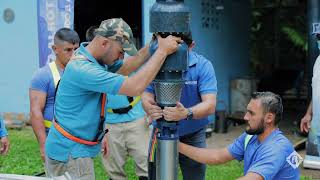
(167, 159)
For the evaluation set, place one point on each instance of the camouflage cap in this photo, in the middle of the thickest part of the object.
(119, 30)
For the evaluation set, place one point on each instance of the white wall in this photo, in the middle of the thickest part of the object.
(18, 54)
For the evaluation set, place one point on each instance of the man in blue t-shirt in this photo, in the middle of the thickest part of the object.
(266, 152)
(44, 81)
(76, 136)
(128, 136)
(198, 101)
(4, 141)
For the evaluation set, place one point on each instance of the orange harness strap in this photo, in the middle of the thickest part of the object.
(100, 131)
(71, 137)
(103, 104)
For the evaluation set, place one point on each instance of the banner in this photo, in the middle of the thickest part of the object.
(52, 15)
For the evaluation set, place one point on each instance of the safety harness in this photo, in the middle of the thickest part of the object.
(124, 110)
(100, 134)
(56, 77)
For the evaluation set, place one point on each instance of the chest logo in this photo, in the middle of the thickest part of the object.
(191, 82)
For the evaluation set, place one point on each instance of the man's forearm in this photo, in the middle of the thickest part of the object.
(309, 110)
(132, 63)
(203, 155)
(251, 176)
(202, 110)
(206, 107)
(37, 122)
(135, 85)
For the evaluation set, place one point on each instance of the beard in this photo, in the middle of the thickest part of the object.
(259, 130)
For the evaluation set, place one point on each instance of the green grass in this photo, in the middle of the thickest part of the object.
(24, 159)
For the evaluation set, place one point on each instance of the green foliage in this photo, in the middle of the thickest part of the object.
(24, 156)
(297, 38)
(278, 35)
(230, 170)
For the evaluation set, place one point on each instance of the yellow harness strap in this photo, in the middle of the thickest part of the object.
(47, 123)
(135, 101)
(55, 73)
(132, 104)
(56, 77)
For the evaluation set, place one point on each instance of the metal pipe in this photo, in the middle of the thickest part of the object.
(167, 155)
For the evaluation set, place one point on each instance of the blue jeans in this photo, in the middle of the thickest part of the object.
(192, 170)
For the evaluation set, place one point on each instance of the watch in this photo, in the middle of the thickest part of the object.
(190, 114)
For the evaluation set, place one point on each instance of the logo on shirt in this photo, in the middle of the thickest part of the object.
(191, 82)
(294, 159)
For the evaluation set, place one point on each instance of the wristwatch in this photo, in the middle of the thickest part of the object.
(190, 114)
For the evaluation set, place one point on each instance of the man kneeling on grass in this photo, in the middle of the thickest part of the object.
(266, 152)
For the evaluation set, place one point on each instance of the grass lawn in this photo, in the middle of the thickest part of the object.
(24, 159)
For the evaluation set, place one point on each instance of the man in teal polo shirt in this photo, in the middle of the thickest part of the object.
(72, 141)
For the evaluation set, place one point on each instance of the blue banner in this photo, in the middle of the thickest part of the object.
(52, 15)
